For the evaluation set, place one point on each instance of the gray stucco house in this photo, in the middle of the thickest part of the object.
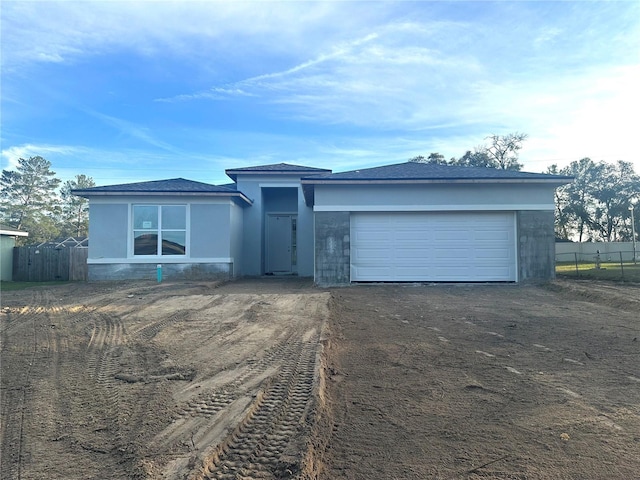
(404, 222)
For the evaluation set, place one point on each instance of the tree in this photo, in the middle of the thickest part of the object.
(477, 158)
(562, 213)
(75, 210)
(595, 206)
(434, 158)
(617, 184)
(503, 150)
(501, 153)
(28, 198)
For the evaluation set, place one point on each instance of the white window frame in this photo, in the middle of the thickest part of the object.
(159, 230)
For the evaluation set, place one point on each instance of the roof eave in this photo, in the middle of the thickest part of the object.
(551, 181)
(233, 174)
(14, 233)
(88, 194)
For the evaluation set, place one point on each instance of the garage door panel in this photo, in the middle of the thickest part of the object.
(433, 246)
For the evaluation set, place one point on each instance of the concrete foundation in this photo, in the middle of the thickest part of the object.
(170, 271)
(536, 246)
(332, 248)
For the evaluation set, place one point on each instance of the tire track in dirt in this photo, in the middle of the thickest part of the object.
(209, 403)
(94, 391)
(16, 384)
(259, 444)
(148, 331)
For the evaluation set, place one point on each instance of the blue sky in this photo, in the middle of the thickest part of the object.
(133, 91)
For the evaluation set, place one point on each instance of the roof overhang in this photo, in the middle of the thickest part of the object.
(233, 174)
(308, 184)
(13, 233)
(238, 196)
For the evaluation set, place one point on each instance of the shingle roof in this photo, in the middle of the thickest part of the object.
(415, 172)
(427, 171)
(171, 185)
(281, 168)
(178, 186)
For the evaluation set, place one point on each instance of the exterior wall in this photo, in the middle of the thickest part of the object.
(209, 232)
(253, 246)
(6, 257)
(280, 200)
(534, 225)
(253, 221)
(305, 238)
(148, 271)
(536, 246)
(332, 248)
(433, 197)
(108, 230)
(236, 238)
(212, 225)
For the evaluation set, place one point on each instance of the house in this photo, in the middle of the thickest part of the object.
(8, 237)
(407, 222)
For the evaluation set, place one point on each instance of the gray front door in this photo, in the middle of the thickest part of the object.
(278, 244)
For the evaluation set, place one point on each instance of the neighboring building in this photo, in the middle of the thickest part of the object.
(404, 222)
(8, 237)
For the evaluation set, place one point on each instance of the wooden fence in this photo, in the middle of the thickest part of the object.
(42, 264)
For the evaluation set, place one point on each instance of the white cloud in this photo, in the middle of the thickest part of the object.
(133, 130)
(380, 79)
(11, 155)
(66, 31)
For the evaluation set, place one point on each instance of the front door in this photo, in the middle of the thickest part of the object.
(279, 235)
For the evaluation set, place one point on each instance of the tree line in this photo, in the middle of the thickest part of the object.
(599, 203)
(501, 152)
(596, 206)
(34, 200)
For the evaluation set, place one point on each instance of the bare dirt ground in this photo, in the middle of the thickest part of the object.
(501, 382)
(159, 381)
(273, 378)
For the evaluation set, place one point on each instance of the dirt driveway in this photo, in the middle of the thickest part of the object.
(159, 381)
(274, 378)
(500, 382)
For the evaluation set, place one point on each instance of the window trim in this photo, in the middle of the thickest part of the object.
(159, 231)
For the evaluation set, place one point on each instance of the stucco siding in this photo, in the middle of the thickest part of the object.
(252, 241)
(108, 230)
(433, 197)
(280, 200)
(305, 238)
(209, 232)
(236, 239)
(283, 195)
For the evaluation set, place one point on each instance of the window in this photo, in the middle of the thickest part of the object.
(159, 229)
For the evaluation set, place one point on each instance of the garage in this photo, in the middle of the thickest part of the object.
(433, 246)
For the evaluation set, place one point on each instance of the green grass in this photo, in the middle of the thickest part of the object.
(7, 286)
(607, 271)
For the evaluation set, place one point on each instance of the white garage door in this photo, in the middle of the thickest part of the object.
(433, 246)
